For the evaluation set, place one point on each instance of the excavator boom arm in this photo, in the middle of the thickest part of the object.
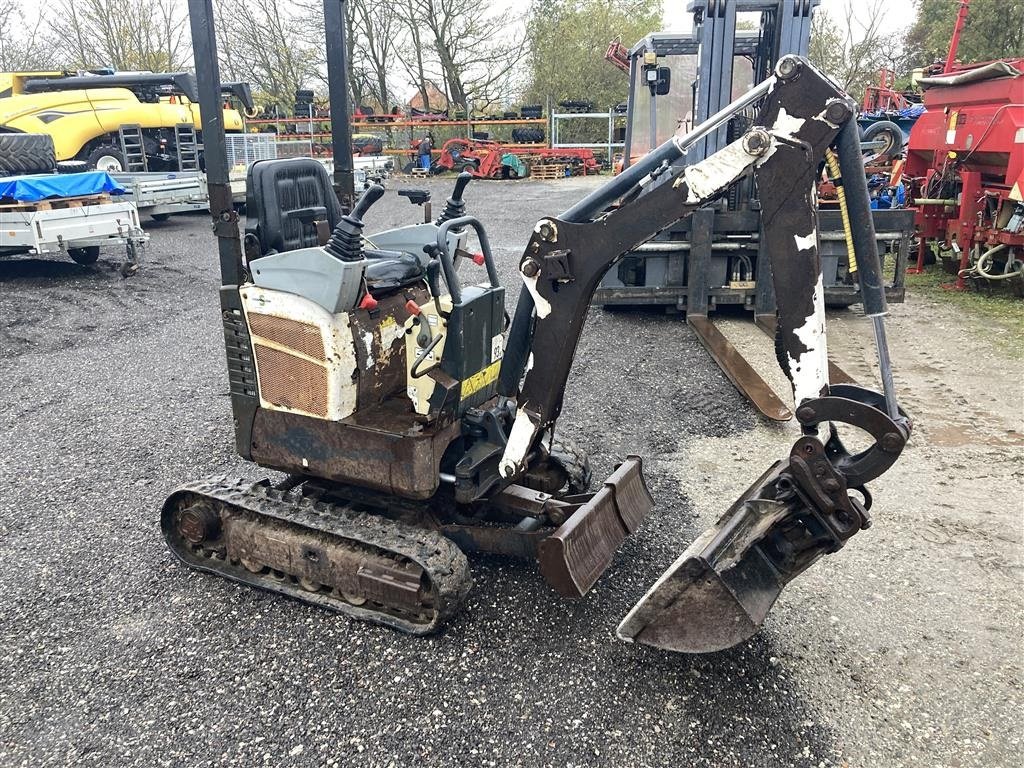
(720, 590)
(567, 255)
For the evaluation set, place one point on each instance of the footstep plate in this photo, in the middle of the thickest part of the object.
(578, 552)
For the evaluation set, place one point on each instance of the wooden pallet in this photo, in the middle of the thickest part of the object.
(57, 203)
(548, 171)
(421, 173)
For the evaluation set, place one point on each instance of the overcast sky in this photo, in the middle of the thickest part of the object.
(677, 19)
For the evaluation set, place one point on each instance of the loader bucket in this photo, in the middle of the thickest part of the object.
(580, 550)
(717, 593)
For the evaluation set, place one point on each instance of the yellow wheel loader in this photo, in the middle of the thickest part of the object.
(116, 122)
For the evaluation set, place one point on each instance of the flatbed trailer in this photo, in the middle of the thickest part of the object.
(76, 227)
(161, 194)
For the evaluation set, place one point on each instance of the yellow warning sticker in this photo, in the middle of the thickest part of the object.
(481, 379)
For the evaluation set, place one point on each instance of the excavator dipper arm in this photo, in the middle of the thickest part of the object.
(720, 590)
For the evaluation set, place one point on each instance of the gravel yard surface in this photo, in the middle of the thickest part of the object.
(902, 650)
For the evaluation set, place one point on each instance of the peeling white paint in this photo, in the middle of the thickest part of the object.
(806, 242)
(787, 124)
(541, 305)
(810, 370)
(713, 174)
(368, 343)
(519, 441)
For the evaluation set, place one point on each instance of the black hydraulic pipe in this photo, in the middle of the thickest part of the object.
(594, 203)
(183, 82)
(337, 89)
(520, 333)
(862, 224)
(215, 152)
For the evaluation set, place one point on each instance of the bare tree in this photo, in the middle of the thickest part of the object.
(21, 46)
(855, 48)
(376, 27)
(412, 54)
(464, 45)
(265, 46)
(133, 35)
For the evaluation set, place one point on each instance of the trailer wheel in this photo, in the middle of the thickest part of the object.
(107, 158)
(84, 256)
(159, 216)
(889, 133)
(26, 153)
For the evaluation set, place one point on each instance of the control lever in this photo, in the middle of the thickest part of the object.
(346, 241)
(454, 206)
(419, 197)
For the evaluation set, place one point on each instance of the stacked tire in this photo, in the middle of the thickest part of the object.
(528, 135)
(25, 153)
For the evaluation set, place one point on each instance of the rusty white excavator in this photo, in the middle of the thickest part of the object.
(414, 420)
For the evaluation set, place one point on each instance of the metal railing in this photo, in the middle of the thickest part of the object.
(609, 145)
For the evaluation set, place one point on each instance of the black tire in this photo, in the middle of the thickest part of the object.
(26, 153)
(159, 216)
(889, 132)
(574, 462)
(528, 135)
(108, 155)
(84, 256)
(72, 166)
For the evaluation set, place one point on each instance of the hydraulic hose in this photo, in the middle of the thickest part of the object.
(836, 175)
(980, 265)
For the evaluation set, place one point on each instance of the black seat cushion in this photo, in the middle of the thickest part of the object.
(284, 199)
(387, 271)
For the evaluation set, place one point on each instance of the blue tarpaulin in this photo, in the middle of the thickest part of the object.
(31, 189)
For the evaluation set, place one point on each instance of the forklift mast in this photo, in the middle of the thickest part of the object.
(718, 256)
(716, 62)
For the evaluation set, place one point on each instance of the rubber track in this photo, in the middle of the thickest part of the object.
(444, 563)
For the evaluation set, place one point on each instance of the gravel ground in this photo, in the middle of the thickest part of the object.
(902, 650)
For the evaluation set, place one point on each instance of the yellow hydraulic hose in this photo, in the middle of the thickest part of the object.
(832, 160)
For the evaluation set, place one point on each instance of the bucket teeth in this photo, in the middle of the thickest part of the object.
(577, 553)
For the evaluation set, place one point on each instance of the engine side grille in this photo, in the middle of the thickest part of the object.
(291, 382)
(302, 337)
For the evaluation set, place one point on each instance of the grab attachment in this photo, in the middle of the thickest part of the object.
(719, 591)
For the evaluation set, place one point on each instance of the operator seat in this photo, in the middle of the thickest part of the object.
(290, 204)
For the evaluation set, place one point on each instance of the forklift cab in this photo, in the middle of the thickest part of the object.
(733, 47)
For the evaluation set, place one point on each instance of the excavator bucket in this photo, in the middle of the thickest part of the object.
(719, 591)
(580, 550)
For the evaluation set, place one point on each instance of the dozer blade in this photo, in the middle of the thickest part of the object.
(719, 591)
(580, 550)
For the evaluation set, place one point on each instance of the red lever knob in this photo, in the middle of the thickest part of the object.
(478, 259)
(368, 303)
(412, 308)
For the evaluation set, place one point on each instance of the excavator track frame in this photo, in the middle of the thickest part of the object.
(340, 556)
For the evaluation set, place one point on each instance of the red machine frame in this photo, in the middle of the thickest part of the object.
(482, 157)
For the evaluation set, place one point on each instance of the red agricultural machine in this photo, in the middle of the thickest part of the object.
(486, 159)
(965, 161)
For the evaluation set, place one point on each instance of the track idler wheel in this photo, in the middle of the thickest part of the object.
(199, 523)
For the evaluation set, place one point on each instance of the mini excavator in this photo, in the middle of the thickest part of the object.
(414, 420)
